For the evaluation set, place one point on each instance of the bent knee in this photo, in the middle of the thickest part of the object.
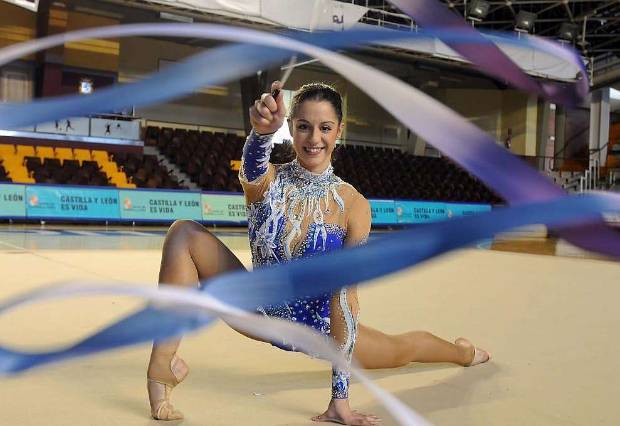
(185, 228)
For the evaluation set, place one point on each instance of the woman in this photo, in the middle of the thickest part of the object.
(298, 209)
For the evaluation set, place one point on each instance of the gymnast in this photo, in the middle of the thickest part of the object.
(295, 210)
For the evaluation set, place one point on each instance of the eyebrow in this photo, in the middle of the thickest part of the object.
(322, 122)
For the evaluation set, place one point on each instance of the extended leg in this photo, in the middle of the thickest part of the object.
(375, 349)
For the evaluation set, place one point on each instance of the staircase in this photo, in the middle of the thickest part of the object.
(182, 177)
(570, 181)
(110, 168)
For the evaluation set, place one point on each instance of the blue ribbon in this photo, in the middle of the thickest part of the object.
(535, 199)
(295, 279)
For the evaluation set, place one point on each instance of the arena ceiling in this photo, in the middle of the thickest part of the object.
(598, 22)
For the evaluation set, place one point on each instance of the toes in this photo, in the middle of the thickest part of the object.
(480, 356)
(166, 411)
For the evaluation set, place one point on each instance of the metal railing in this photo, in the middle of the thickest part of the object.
(591, 178)
(385, 18)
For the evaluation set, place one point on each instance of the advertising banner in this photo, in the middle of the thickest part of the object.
(223, 208)
(71, 202)
(456, 210)
(383, 212)
(12, 200)
(420, 211)
(159, 205)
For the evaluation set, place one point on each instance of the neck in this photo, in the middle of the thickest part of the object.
(315, 170)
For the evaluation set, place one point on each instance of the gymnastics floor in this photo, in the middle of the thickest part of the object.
(550, 323)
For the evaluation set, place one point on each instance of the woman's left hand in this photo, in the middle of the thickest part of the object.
(340, 412)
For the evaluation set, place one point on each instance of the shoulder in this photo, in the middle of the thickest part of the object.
(358, 216)
(352, 198)
(356, 206)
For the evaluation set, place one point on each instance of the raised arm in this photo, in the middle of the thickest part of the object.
(267, 116)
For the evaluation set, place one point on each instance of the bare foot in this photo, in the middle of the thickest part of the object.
(474, 355)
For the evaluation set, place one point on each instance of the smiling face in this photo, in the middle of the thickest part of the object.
(315, 129)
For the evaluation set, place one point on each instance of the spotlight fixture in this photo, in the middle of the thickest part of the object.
(86, 86)
(568, 31)
(524, 21)
(477, 10)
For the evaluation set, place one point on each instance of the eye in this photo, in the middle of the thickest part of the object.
(302, 126)
(326, 129)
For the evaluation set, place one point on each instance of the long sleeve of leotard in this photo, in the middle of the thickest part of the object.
(344, 307)
(256, 172)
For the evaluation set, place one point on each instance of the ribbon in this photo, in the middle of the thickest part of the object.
(534, 198)
(474, 150)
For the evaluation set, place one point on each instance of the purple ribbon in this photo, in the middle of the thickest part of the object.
(489, 58)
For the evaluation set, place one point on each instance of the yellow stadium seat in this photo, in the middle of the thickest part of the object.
(7, 150)
(81, 154)
(100, 156)
(64, 154)
(16, 170)
(15, 160)
(25, 150)
(45, 152)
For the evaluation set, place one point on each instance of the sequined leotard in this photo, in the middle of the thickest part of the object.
(294, 213)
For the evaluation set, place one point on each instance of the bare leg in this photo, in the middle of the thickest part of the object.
(375, 349)
(191, 253)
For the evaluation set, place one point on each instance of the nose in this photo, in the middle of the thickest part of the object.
(315, 138)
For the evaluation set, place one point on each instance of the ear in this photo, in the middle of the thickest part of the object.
(340, 129)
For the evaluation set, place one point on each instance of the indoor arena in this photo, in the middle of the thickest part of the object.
(206, 205)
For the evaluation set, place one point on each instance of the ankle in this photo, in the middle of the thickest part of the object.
(168, 371)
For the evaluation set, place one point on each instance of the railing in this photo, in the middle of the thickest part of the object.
(192, 126)
(386, 19)
(590, 180)
(94, 126)
(612, 176)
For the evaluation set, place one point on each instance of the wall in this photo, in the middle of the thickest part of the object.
(365, 120)
(16, 25)
(514, 115)
(481, 107)
(211, 106)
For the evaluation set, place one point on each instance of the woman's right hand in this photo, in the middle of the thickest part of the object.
(267, 114)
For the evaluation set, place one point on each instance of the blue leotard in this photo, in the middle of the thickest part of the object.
(293, 213)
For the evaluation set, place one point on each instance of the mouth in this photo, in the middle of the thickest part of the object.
(313, 150)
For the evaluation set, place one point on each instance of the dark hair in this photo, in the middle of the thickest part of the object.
(317, 92)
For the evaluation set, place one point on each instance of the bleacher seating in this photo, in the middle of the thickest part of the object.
(376, 172)
(57, 165)
(67, 172)
(4, 176)
(145, 171)
(211, 161)
(204, 156)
